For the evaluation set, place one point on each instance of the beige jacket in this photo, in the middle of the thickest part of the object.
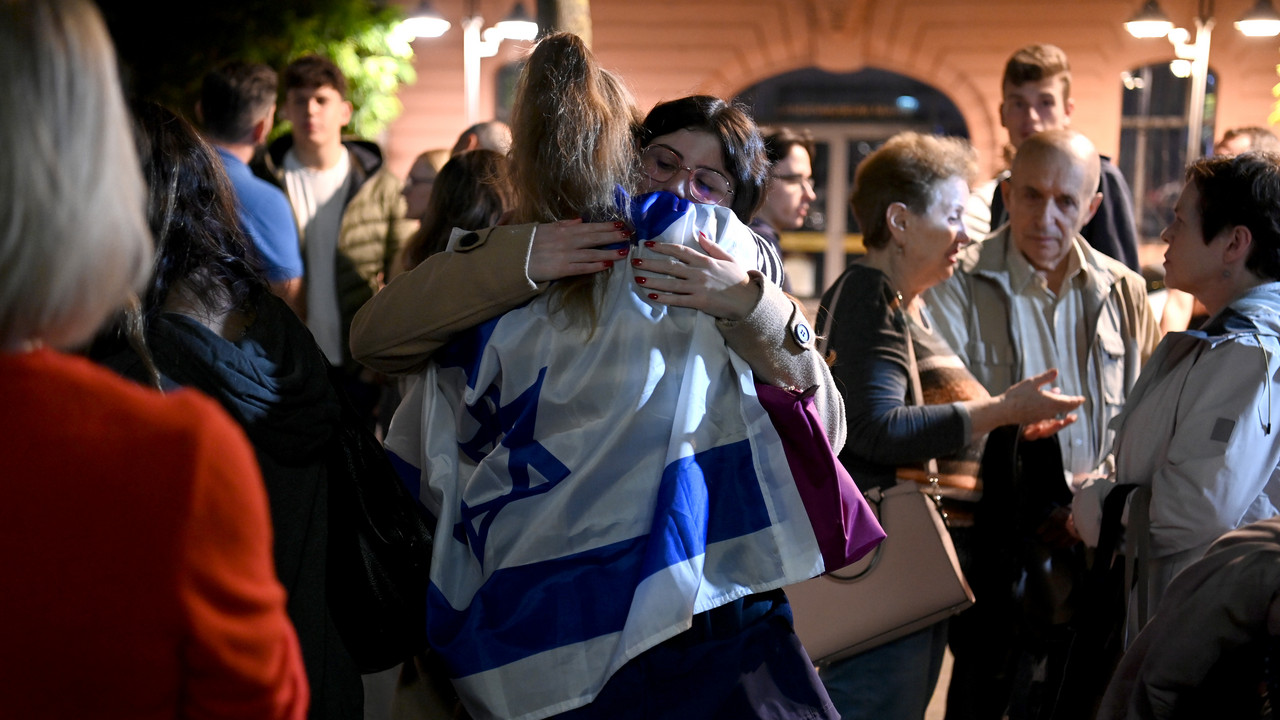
(398, 330)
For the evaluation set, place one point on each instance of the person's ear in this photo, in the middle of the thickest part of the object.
(1006, 194)
(347, 110)
(896, 219)
(1239, 243)
(1094, 203)
(261, 130)
(1068, 107)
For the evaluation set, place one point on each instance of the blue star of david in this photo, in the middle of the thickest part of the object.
(514, 424)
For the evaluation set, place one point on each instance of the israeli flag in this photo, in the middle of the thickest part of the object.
(594, 490)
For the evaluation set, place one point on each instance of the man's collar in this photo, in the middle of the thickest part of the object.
(1022, 273)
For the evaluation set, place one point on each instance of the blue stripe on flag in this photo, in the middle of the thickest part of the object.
(717, 487)
(522, 611)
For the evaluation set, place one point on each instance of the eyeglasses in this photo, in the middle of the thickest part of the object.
(806, 180)
(661, 163)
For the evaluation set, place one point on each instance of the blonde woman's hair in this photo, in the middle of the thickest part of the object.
(574, 146)
(74, 242)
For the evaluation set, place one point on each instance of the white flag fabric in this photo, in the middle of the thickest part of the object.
(594, 493)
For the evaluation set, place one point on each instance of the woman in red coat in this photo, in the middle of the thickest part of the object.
(134, 539)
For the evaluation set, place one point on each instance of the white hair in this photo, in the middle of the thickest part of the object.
(74, 241)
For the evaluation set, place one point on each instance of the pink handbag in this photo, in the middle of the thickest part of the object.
(842, 521)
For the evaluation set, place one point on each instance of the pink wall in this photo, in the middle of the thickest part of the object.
(669, 48)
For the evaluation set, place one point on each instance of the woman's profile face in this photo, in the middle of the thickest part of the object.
(688, 163)
(933, 238)
(1190, 263)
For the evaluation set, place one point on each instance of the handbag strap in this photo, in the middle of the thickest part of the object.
(824, 332)
(917, 399)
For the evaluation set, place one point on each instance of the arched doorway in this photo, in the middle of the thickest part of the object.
(850, 115)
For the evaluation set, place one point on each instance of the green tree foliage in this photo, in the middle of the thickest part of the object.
(165, 47)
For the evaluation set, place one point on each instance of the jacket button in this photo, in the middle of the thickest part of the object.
(802, 333)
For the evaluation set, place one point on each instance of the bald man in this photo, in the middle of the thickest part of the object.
(1036, 296)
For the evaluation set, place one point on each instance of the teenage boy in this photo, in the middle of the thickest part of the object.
(1036, 96)
(348, 207)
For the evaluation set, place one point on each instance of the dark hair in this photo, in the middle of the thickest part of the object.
(906, 169)
(191, 209)
(1242, 190)
(744, 155)
(1034, 63)
(314, 71)
(779, 141)
(470, 192)
(234, 97)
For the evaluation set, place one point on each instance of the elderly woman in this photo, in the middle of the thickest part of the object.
(1200, 427)
(134, 532)
(909, 199)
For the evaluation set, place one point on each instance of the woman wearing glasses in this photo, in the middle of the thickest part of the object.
(699, 148)
(790, 189)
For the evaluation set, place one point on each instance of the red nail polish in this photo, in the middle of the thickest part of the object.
(617, 225)
(622, 252)
(653, 296)
(627, 233)
(608, 263)
(635, 261)
(641, 280)
(649, 243)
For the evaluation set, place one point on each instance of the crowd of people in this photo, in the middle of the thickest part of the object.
(556, 328)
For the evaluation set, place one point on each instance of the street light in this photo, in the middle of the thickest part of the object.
(1261, 21)
(477, 42)
(1151, 22)
(424, 21)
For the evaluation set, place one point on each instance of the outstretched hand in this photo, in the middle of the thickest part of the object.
(573, 247)
(712, 282)
(1042, 412)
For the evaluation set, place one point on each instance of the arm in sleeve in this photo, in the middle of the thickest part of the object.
(279, 245)
(777, 341)
(400, 327)
(870, 368)
(1221, 456)
(241, 658)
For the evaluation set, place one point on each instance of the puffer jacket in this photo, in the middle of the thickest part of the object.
(374, 227)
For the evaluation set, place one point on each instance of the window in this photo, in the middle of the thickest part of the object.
(1153, 140)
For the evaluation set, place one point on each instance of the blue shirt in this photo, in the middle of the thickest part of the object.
(267, 217)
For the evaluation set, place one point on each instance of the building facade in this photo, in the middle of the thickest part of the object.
(855, 71)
